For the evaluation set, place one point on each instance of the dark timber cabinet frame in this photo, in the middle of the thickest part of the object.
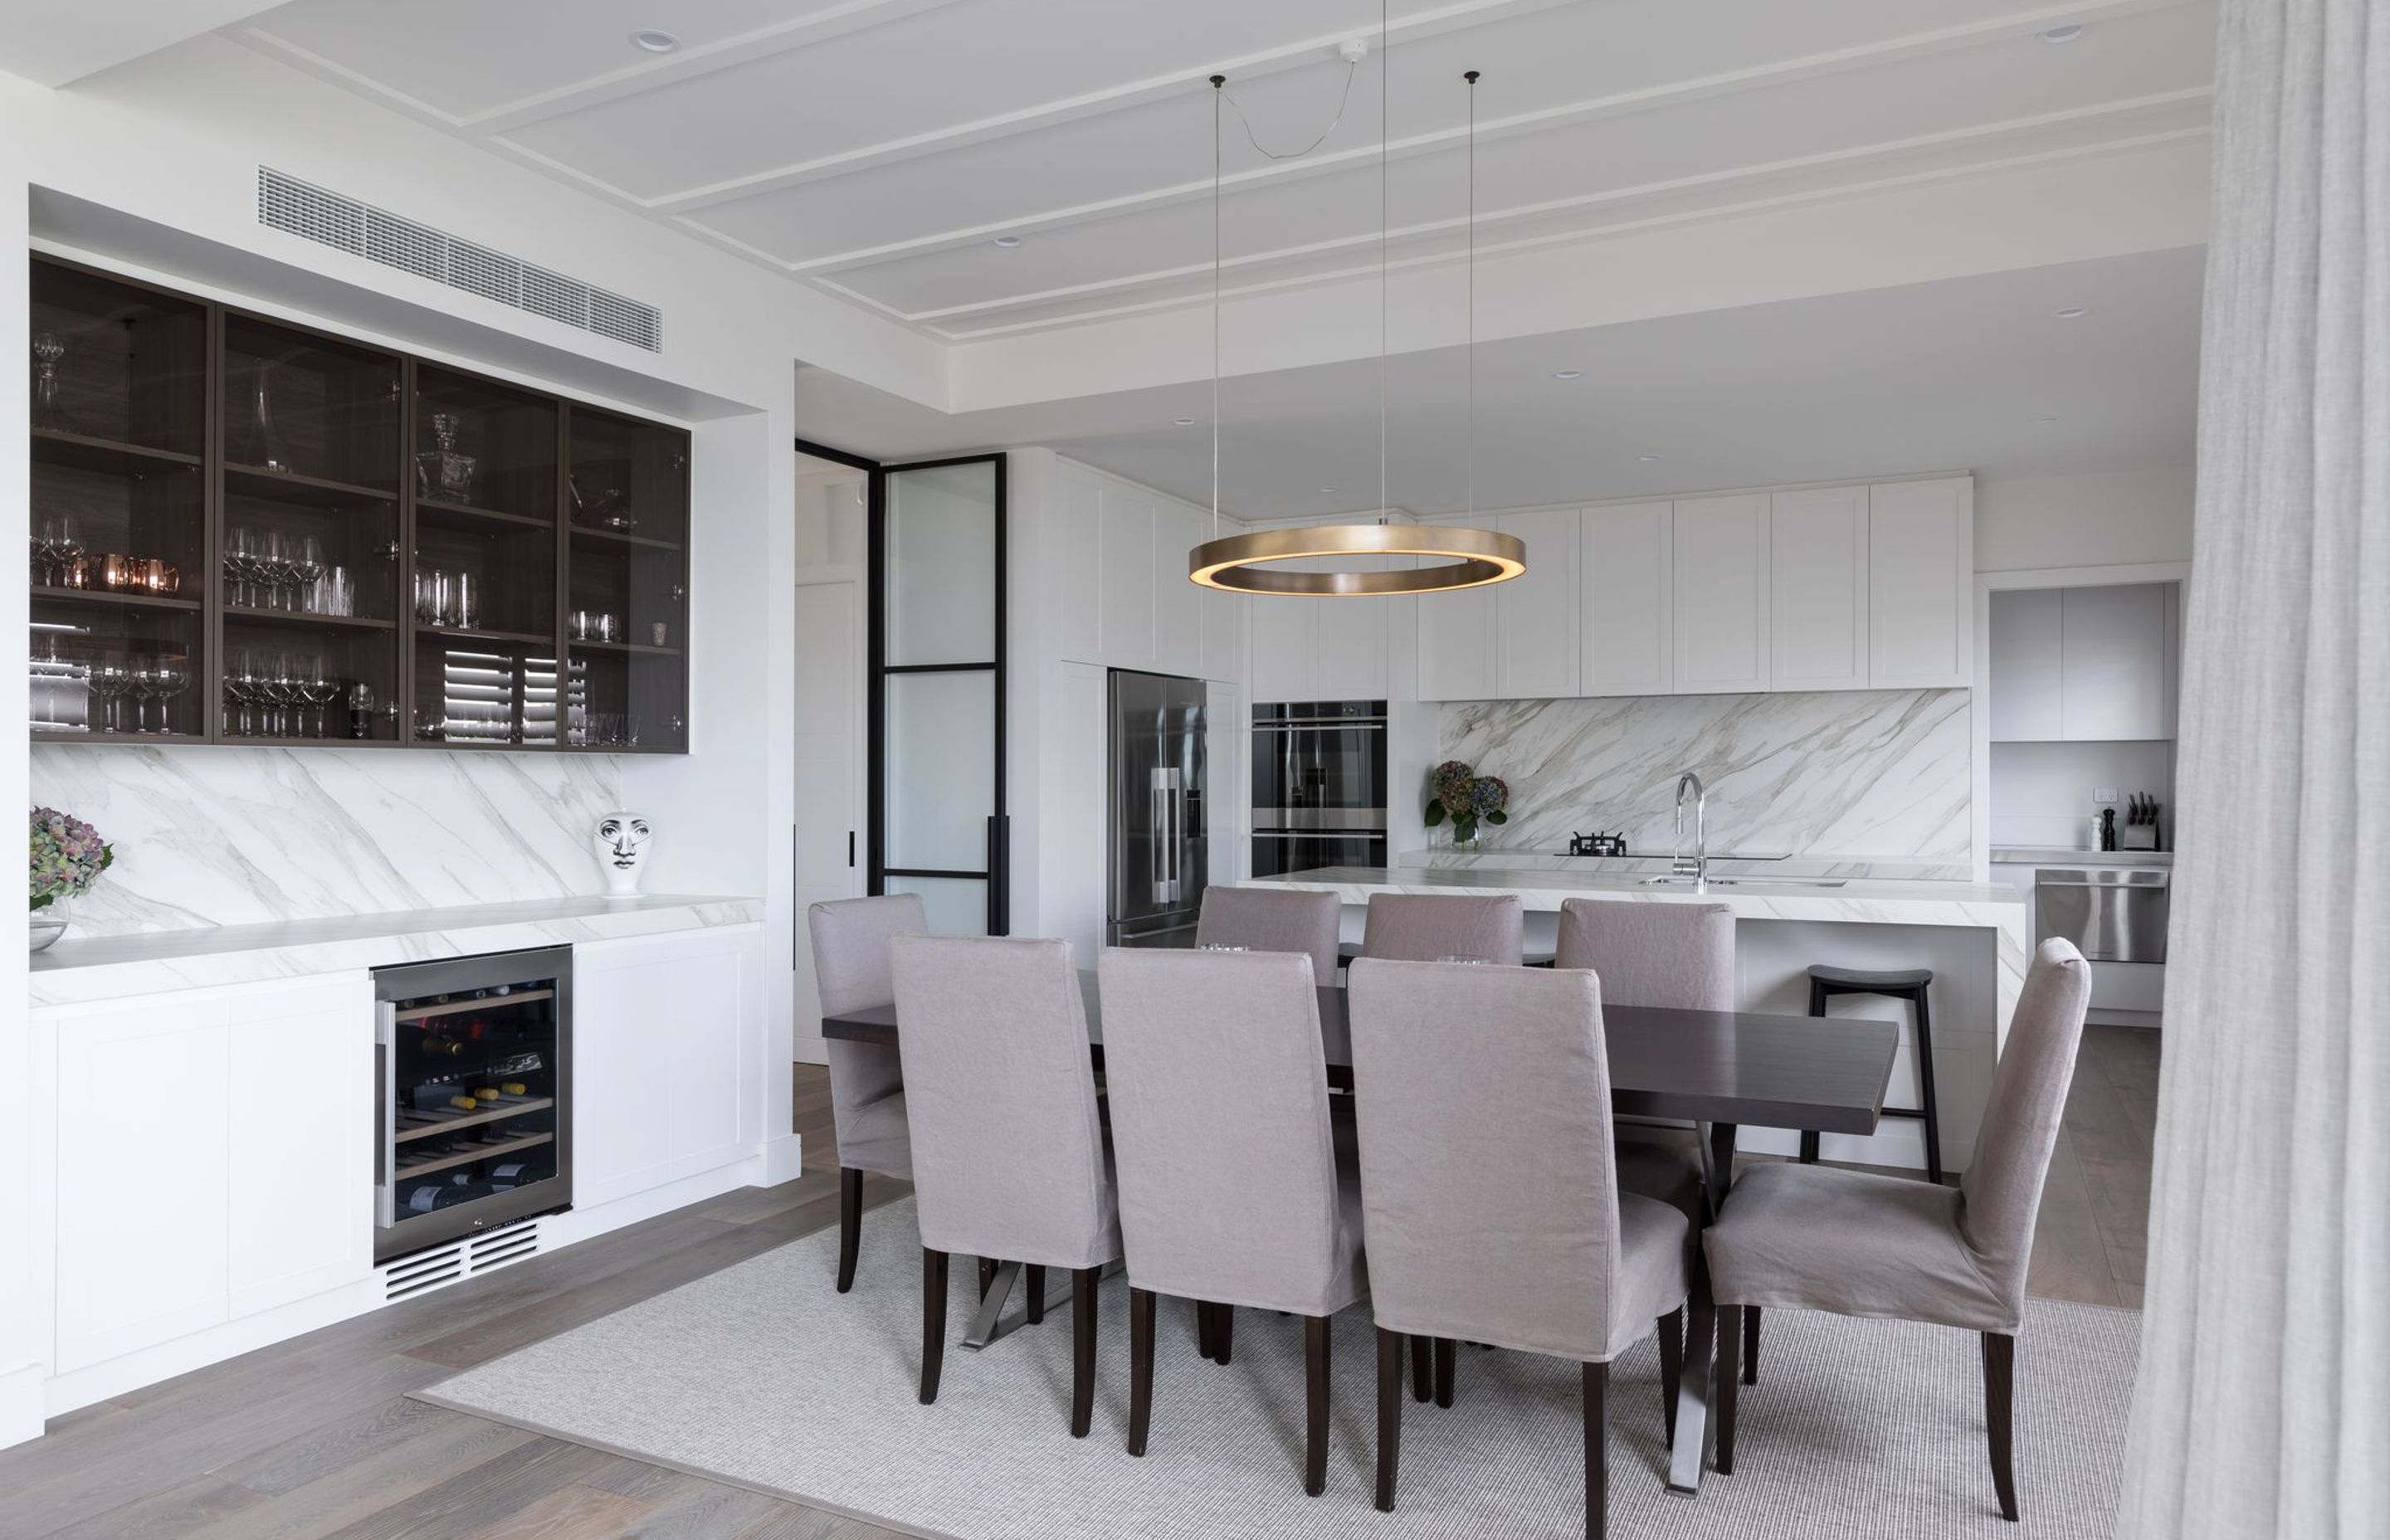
(173, 427)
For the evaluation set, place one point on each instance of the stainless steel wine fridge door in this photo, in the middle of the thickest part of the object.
(472, 1081)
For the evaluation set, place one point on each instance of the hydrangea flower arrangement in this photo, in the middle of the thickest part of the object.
(1456, 792)
(69, 855)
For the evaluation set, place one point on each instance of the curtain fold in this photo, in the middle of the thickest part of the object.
(2263, 1406)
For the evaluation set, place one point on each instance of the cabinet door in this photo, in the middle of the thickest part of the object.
(2113, 679)
(1352, 635)
(1720, 582)
(1125, 590)
(1920, 585)
(301, 1141)
(660, 1027)
(1623, 594)
(1457, 645)
(2025, 669)
(1070, 572)
(1224, 629)
(1817, 589)
(144, 1105)
(1177, 607)
(1284, 647)
(1537, 647)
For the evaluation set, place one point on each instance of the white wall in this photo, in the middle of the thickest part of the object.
(2106, 518)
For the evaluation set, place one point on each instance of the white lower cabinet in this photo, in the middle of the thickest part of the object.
(210, 1158)
(663, 1029)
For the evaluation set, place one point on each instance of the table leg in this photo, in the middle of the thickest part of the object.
(990, 1325)
(1696, 1391)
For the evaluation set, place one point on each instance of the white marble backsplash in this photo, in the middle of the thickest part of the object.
(1860, 772)
(246, 836)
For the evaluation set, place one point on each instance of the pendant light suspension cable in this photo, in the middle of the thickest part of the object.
(1385, 94)
(1471, 78)
(1219, 84)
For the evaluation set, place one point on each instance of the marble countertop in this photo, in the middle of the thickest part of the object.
(1724, 863)
(1995, 905)
(102, 968)
(2050, 856)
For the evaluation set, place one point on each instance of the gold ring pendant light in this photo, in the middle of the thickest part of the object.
(1469, 557)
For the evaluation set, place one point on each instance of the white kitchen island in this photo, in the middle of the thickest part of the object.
(1972, 935)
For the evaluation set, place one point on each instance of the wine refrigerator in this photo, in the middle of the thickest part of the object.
(473, 1125)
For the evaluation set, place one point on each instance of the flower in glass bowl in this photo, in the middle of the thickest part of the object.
(68, 856)
(1458, 794)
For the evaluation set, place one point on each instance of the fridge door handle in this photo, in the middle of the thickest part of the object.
(385, 1113)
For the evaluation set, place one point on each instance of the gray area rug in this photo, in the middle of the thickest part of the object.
(763, 1375)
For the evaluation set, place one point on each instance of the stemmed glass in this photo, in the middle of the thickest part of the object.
(306, 564)
(55, 547)
(49, 412)
(283, 690)
(240, 565)
(273, 569)
(111, 679)
(240, 690)
(166, 678)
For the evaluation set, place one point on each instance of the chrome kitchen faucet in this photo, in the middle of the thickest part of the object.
(1698, 867)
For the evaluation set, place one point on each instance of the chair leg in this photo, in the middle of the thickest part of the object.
(1999, 1387)
(1596, 1450)
(1224, 1333)
(850, 1225)
(1034, 1276)
(1083, 1348)
(1203, 1329)
(1140, 1368)
(933, 1322)
(1314, 1433)
(1446, 1351)
(1809, 1136)
(1729, 1381)
(1672, 1367)
(1751, 1344)
(1390, 1414)
(1925, 1090)
(1423, 1367)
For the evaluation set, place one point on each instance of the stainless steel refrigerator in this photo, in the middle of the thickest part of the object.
(1158, 826)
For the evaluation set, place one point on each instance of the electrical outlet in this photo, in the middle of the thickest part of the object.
(2106, 794)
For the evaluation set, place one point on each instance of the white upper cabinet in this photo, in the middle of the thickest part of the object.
(1720, 590)
(1817, 589)
(1460, 642)
(1283, 652)
(1920, 584)
(1178, 604)
(1351, 638)
(1070, 564)
(1625, 599)
(1126, 620)
(2026, 669)
(2112, 662)
(1537, 645)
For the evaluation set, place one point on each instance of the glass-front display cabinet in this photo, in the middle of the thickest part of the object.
(246, 530)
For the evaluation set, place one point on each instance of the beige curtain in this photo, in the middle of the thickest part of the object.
(2264, 1401)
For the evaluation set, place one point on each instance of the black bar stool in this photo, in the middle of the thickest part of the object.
(1907, 983)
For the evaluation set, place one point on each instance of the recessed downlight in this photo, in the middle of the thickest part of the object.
(2073, 312)
(1182, 422)
(1008, 242)
(1326, 489)
(649, 40)
(2042, 421)
(1647, 457)
(1568, 374)
(2067, 33)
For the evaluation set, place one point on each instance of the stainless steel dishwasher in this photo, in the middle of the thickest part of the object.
(2111, 913)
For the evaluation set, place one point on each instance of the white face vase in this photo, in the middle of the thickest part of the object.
(621, 842)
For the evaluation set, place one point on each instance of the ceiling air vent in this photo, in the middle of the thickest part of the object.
(330, 219)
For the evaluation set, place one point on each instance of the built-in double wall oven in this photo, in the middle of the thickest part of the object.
(1319, 785)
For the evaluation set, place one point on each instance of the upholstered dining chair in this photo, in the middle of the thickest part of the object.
(1431, 927)
(1487, 1192)
(1233, 1188)
(1820, 1238)
(1009, 1159)
(1258, 919)
(1678, 955)
(867, 1081)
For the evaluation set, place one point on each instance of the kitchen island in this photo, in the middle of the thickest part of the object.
(1972, 935)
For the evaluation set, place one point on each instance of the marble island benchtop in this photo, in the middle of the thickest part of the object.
(1994, 905)
(104, 968)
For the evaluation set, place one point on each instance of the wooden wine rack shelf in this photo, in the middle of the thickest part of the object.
(466, 1157)
(441, 1119)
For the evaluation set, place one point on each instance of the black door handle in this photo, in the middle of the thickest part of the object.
(849, 849)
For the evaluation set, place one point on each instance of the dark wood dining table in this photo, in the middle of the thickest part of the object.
(1721, 1069)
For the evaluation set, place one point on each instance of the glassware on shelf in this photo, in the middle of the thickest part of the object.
(607, 509)
(166, 678)
(659, 631)
(306, 564)
(112, 680)
(317, 690)
(332, 592)
(266, 448)
(55, 548)
(240, 692)
(239, 570)
(113, 571)
(465, 601)
(441, 472)
(59, 686)
(153, 576)
(50, 415)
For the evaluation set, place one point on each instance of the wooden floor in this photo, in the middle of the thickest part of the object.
(315, 1437)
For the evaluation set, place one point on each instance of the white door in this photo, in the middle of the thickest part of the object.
(1285, 646)
(2025, 638)
(1817, 589)
(1720, 582)
(1920, 585)
(299, 1179)
(2113, 659)
(829, 770)
(1624, 594)
(1125, 587)
(1537, 646)
(1351, 639)
(1178, 604)
(661, 1026)
(1456, 642)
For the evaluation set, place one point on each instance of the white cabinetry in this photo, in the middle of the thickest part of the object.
(2026, 669)
(663, 1029)
(1817, 589)
(1920, 584)
(206, 1157)
(1110, 578)
(1459, 642)
(1627, 600)
(1126, 619)
(1310, 649)
(1720, 588)
(1178, 604)
(1537, 647)
(2082, 665)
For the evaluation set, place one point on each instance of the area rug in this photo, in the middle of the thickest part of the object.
(763, 1375)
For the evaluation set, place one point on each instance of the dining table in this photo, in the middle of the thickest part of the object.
(1716, 1069)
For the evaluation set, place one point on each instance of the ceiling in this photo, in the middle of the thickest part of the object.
(1978, 373)
(876, 149)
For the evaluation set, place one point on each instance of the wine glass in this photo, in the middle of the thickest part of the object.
(111, 679)
(316, 689)
(240, 688)
(306, 566)
(240, 565)
(168, 678)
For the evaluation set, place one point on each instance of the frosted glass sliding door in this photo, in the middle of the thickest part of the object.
(937, 813)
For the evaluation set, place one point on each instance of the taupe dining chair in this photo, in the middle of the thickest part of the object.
(1260, 920)
(1431, 927)
(1678, 956)
(867, 1081)
(1487, 1192)
(1009, 1159)
(1233, 1191)
(1818, 1237)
